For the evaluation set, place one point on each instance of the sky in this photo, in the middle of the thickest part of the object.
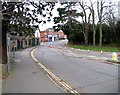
(51, 23)
(55, 14)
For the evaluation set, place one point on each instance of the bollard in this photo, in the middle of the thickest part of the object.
(88, 50)
(78, 49)
(101, 51)
(114, 56)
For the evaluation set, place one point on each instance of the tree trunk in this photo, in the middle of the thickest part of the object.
(4, 48)
(86, 34)
(94, 29)
(94, 37)
(86, 40)
(100, 39)
(100, 19)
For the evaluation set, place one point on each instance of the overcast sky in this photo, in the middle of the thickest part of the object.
(55, 14)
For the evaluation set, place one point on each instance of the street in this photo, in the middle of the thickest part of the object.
(60, 47)
(82, 73)
(27, 77)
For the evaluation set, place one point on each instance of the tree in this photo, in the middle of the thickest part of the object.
(106, 33)
(66, 20)
(85, 20)
(67, 16)
(17, 17)
(100, 8)
(105, 15)
(110, 19)
(93, 21)
(74, 33)
(5, 22)
(117, 29)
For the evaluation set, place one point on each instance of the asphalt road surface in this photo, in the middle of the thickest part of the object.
(79, 71)
(26, 77)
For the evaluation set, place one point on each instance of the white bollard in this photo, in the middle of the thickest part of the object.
(88, 50)
(101, 52)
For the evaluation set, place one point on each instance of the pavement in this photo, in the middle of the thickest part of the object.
(27, 77)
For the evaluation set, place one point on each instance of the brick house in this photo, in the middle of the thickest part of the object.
(44, 36)
(49, 35)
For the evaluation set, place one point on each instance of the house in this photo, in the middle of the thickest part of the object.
(50, 35)
(44, 36)
(61, 35)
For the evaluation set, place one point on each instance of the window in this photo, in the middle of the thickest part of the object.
(45, 36)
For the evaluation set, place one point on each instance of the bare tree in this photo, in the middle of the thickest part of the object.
(110, 19)
(100, 8)
(85, 21)
(93, 20)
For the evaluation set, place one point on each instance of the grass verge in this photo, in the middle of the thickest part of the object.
(96, 48)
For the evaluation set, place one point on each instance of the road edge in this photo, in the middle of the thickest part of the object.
(59, 82)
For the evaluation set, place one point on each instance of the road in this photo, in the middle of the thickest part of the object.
(78, 69)
(27, 77)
